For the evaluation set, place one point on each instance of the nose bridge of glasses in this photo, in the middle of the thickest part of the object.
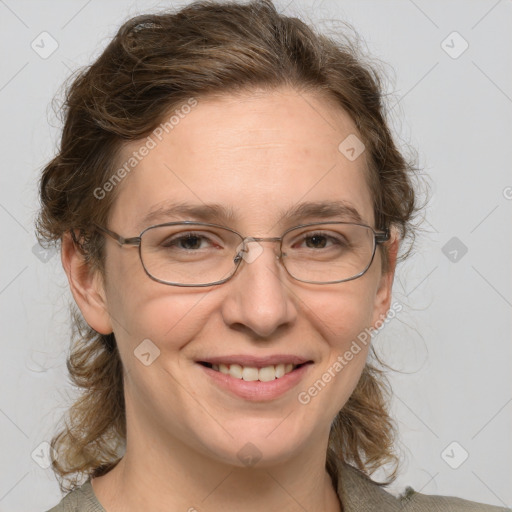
(262, 239)
(256, 241)
(250, 247)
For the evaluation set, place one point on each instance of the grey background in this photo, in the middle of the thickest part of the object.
(452, 340)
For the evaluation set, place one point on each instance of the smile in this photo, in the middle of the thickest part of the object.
(252, 373)
(257, 381)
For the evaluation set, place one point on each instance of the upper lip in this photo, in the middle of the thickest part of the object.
(259, 362)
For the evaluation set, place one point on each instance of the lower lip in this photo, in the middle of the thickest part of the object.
(256, 390)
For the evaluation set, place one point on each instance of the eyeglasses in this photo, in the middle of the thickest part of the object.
(190, 253)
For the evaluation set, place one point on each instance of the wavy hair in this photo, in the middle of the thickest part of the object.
(152, 66)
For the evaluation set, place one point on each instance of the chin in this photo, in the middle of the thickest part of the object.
(258, 444)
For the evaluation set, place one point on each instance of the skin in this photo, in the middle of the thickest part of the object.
(258, 154)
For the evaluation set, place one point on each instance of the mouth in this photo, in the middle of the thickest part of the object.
(256, 379)
(254, 373)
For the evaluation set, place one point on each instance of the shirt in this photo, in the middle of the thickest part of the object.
(357, 493)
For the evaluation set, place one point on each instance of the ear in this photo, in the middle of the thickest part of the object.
(86, 286)
(383, 294)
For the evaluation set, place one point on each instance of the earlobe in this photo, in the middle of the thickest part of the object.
(86, 286)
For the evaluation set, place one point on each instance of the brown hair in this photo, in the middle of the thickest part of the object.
(154, 64)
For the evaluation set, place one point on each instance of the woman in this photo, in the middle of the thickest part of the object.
(230, 206)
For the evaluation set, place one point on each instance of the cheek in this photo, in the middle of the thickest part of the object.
(169, 318)
(342, 314)
(141, 308)
(340, 318)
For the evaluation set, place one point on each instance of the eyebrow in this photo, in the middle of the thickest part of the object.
(218, 213)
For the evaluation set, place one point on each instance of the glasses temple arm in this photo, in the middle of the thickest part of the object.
(118, 238)
(382, 237)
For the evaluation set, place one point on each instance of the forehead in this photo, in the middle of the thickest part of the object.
(256, 156)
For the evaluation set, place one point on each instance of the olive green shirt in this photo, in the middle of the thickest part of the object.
(357, 493)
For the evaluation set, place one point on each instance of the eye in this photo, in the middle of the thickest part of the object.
(321, 240)
(317, 241)
(187, 241)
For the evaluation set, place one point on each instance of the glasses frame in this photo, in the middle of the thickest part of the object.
(379, 238)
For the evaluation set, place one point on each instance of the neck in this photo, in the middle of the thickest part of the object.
(130, 490)
(160, 473)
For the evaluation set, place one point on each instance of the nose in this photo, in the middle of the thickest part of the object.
(258, 296)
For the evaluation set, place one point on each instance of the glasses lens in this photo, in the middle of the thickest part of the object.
(188, 253)
(194, 254)
(328, 252)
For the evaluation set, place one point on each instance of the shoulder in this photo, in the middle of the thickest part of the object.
(412, 501)
(359, 493)
(81, 499)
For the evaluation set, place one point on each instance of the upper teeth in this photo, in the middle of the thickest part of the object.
(250, 373)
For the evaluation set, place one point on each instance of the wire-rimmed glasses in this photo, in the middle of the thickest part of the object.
(190, 253)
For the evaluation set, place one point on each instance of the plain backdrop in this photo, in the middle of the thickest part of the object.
(450, 98)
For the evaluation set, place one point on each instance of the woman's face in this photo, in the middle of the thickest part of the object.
(257, 156)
